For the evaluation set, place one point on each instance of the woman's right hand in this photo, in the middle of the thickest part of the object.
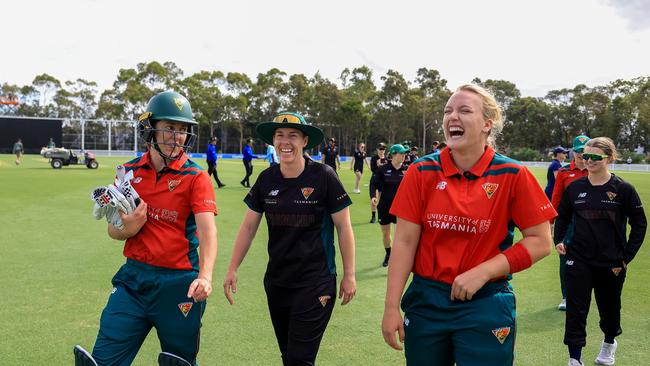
(374, 201)
(391, 323)
(230, 285)
(561, 248)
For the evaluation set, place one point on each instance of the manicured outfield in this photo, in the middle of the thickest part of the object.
(56, 263)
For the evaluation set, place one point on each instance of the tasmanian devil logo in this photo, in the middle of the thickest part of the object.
(185, 308)
(306, 192)
(179, 103)
(490, 188)
(323, 299)
(173, 183)
(501, 333)
(611, 195)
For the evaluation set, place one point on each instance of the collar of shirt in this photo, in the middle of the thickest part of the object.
(573, 166)
(450, 169)
(174, 164)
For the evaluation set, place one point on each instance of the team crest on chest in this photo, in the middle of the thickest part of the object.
(501, 333)
(611, 195)
(306, 192)
(173, 183)
(185, 308)
(490, 188)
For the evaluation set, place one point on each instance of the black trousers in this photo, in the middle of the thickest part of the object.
(248, 166)
(581, 278)
(212, 171)
(299, 317)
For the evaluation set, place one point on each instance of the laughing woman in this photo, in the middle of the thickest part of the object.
(456, 213)
(599, 205)
(303, 201)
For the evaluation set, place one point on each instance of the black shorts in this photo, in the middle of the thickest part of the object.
(358, 168)
(299, 317)
(384, 216)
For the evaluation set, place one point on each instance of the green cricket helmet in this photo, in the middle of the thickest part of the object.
(167, 106)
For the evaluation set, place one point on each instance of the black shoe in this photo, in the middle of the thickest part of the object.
(373, 220)
(242, 183)
(385, 263)
(221, 185)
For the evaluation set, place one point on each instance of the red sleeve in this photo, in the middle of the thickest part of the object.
(558, 189)
(530, 206)
(408, 200)
(202, 196)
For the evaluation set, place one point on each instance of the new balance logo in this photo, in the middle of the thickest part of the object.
(582, 195)
(274, 192)
(569, 263)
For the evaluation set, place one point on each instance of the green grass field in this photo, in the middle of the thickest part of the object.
(57, 263)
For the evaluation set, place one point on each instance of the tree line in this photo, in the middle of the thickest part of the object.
(356, 108)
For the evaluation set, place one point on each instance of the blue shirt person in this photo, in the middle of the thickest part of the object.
(559, 155)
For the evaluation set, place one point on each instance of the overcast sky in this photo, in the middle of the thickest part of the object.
(537, 44)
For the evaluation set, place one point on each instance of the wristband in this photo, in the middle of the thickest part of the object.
(518, 257)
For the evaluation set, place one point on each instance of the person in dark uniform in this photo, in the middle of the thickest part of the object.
(387, 180)
(331, 154)
(247, 158)
(211, 160)
(559, 155)
(356, 165)
(303, 201)
(377, 160)
(599, 255)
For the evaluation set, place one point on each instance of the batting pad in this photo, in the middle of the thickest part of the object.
(169, 359)
(82, 357)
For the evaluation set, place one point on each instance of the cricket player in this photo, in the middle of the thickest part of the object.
(456, 213)
(165, 280)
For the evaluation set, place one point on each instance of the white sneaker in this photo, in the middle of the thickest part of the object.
(562, 306)
(574, 362)
(607, 354)
(356, 191)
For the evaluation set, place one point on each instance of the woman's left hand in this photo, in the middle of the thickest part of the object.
(467, 284)
(200, 289)
(347, 289)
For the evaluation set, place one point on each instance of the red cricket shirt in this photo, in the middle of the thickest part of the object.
(467, 218)
(173, 195)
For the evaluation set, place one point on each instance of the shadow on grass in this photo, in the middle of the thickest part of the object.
(369, 273)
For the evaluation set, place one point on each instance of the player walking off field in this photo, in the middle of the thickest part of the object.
(598, 257)
(18, 150)
(165, 280)
(456, 213)
(376, 161)
(303, 201)
(356, 165)
(247, 159)
(566, 176)
(387, 180)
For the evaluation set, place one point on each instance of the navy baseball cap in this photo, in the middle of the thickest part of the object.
(560, 149)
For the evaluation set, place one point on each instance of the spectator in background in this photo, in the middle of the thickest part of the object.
(51, 144)
(18, 150)
(376, 161)
(331, 154)
(211, 159)
(559, 155)
(248, 162)
(434, 147)
(411, 156)
(271, 155)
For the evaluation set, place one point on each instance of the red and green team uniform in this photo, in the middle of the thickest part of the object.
(565, 176)
(162, 261)
(466, 219)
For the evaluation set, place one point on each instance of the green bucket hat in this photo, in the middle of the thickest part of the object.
(579, 143)
(265, 130)
(398, 149)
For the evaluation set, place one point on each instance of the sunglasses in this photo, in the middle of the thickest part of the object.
(594, 157)
(287, 118)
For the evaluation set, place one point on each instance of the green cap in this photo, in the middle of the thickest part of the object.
(398, 149)
(265, 130)
(579, 143)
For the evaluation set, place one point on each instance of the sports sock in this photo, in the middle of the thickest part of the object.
(387, 251)
(609, 339)
(373, 214)
(575, 352)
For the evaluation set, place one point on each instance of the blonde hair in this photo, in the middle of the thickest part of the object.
(491, 110)
(607, 145)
